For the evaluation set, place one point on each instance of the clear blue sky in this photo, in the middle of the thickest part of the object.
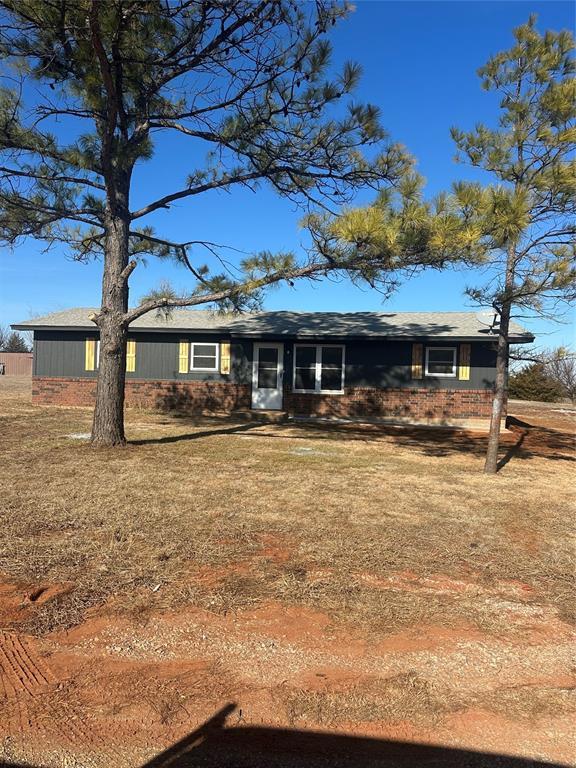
(419, 61)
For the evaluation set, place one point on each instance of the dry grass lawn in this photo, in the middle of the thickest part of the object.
(380, 529)
(344, 507)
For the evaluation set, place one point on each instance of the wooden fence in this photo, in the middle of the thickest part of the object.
(16, 363)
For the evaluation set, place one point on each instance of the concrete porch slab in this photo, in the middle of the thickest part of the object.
(466, 425)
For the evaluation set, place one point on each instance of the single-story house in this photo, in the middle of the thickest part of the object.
(421, 366)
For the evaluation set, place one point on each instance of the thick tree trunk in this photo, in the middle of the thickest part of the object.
(501, 384)
(108, 422)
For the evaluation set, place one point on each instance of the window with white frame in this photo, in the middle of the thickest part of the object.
(440, 361)
(97, 355)
(203, 357)
(319, 368)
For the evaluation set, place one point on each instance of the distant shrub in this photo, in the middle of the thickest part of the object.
(535, 383)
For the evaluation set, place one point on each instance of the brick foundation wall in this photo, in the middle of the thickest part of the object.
(48, 391)
(418, 404)
(189, 396)
(223, 397)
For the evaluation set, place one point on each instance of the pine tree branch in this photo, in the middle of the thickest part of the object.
(54, 214)
(310, 270)
(164, 202)
(226, 33)
(57, 177)
(548, 238)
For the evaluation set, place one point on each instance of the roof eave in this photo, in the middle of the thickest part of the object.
(132, 329)
(527, 338)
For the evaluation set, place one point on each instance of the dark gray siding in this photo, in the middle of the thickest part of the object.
(389, 364)
(382, 364)
(62, 354)
(368, 363)
(157, 358)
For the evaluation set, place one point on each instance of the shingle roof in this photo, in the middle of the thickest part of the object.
(465, 325)
(179, 319)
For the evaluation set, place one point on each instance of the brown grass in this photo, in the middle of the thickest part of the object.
(408, 697)
(185, 514)
(403, 697)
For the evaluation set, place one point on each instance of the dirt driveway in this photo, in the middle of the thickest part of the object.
(223, 594)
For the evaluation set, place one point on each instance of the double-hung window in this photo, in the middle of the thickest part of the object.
(319, 368)
(440, 361)
(203, 357)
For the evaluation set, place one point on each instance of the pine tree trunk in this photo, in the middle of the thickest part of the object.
(108, 422)
(500, 392)
(501, 383)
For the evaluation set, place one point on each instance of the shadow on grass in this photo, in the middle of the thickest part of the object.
(529, 441)
(227, 430)
(213, 745)
(515, 450)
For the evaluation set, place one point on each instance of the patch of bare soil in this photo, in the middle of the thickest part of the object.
(557, 416)
(119, 691)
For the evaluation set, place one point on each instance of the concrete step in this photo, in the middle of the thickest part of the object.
(267, 416)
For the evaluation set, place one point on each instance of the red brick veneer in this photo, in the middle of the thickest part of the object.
(223, 397)
(188, 395)
(416, 403)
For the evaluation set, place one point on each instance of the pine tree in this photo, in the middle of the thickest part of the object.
(521, 227)
(14, 342)
(525, 219)
(533, 382)
(247, 80)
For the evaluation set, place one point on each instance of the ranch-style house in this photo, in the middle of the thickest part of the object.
(411, 366)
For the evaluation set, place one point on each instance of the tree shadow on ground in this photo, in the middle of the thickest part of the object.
(226, 430)
(524, 441)
(214, 745)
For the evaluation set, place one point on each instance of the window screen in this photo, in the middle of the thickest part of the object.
(204, 357)
(319, 368)
(267, 368)
(441, 361)
(331, 373)
(305, 368)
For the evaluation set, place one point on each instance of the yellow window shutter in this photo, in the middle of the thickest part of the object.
(90, 354)
(417, 351)
(130, 356)
(184, 356)
(464, 367)
(225, 357)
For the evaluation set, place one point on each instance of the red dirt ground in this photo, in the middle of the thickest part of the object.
(114, 693)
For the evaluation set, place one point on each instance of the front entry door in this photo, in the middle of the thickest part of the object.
(267, 374)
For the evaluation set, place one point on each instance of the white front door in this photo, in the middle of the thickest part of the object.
(267, 374)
